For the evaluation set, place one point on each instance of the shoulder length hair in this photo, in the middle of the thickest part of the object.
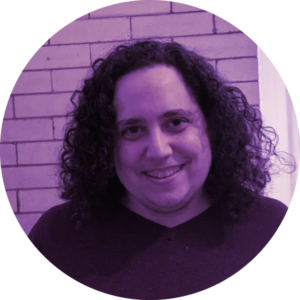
(241, 146)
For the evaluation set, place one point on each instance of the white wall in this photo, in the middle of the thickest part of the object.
(278, 111)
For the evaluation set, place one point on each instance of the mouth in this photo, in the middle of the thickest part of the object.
(163, 173)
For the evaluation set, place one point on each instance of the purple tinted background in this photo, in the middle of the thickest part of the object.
(33, 124)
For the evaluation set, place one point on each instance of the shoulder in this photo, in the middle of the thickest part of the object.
(52, 223)
(255, 227)
(262, 218)
(268, 209)
(54, 215)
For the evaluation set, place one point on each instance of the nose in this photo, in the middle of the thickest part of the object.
(158, 145)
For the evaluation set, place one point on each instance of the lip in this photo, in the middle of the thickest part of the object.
(165, 179)
(161, 169)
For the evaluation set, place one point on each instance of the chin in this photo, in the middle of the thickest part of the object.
(166, 204)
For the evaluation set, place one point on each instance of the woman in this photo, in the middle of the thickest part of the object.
(163, 166)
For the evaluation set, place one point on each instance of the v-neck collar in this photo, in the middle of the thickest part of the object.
(129, 214)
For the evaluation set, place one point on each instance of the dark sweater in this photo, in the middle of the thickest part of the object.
(126, 255)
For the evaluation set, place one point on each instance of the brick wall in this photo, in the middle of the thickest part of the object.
(34, 119)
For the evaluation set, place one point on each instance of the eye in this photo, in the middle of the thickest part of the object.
(133, 129)
(176, 122)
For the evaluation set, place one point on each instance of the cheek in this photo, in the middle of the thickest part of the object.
(196, 142)
(204, 155)
(206, 149)
(200, 126)
(197, 148)
(118, 157)
(126, 155)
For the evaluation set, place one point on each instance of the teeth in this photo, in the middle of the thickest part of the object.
(163, 174)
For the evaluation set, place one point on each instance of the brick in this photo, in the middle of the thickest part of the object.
(223, 26)
(60, 57)
(33, 82)
(43, 105)
(179, 7)
(30, 177)
(38, 200)
(86, 31)
(59, 127)
(243, 69)
(159, 39)
(38, 153)
(68, 80)
(9, 112)
(27, 221)
(133, 8)
(172, 25)
(84, 17)
(220, 46)
(12, 197)
(250, 90)
(8, 154)
(102, 50)
(27, 130)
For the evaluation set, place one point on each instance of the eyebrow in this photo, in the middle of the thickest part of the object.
(168, 114)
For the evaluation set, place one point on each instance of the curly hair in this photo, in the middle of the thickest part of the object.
(241, 147)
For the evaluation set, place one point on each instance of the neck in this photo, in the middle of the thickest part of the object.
(169, 218)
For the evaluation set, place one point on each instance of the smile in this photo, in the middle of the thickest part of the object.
(164, 173)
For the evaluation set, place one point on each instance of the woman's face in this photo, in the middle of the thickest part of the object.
(162, 152)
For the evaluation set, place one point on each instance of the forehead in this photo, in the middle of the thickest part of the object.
(154, 90)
